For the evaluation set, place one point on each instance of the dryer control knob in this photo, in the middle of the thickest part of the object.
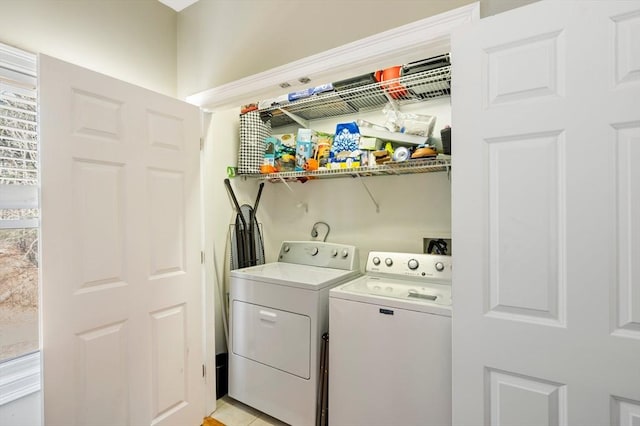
(345, 253)
(376, 260)
(388, 261)
(314, 251)
(413, 264)
(439, 266)
(334, 253)
(286, 249)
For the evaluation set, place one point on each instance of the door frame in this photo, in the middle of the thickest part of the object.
(427, 37)
(421, 39)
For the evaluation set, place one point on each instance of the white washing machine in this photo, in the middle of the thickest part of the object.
(278, 314)
(390, 343)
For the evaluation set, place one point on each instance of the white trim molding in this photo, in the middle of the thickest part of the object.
(17, 65)
(418, 40)
(19, 377)
(18, 196)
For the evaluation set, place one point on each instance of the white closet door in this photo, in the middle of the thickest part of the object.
(546, 216)
(121, 286)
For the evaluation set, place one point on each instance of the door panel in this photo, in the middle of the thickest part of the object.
(167, 223)
(546, 110)
(98, 192)
(627, 303)
(121, 290)
(525, 70)
(105, 346)
(169, 361)
(520, 400)
(524, 201)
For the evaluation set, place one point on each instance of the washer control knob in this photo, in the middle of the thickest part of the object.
(413, 264)
(286, 249)
(388, 261)
(376, 260)
(439, 266)
(314, 251)
(345, 253)
(334, 253)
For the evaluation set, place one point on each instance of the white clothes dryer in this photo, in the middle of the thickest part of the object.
(278, 314)
(390, 343)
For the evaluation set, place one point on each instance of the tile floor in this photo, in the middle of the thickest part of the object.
(234, 413)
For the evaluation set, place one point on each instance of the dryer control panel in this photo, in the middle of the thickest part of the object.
(415, 265)
(318, 253)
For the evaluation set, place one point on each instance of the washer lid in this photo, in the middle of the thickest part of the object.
(402, 294)
(293, 275)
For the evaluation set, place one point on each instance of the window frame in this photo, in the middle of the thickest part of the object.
(19, 376)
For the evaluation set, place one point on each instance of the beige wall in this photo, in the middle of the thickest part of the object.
(133, 40)
(493, 7)
(209, 43)
(220, 41)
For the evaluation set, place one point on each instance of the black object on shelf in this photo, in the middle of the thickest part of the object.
(427, 64)
(445, 134)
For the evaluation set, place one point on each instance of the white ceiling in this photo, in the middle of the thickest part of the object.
(178, 5)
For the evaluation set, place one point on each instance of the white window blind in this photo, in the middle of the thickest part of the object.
(18, 139)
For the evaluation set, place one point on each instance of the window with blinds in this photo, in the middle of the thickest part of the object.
(19, 213)
(19, 136)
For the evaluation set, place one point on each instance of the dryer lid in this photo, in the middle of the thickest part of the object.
(293, 275)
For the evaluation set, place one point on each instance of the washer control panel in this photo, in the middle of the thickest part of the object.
(318, 253)
(416, 265)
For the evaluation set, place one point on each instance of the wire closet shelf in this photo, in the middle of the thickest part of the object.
(407, 89)
(440, 164)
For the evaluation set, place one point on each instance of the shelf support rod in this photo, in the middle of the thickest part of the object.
(299, 203)
(369, 192)
(392, 102)
(301, 121)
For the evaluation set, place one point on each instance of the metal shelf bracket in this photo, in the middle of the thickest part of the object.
(301, 121)
(299, 203)
(375, 203)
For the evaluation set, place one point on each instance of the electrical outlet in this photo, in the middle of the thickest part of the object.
(438, 247)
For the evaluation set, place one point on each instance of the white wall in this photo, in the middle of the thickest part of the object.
(133, 40)
(22, 412)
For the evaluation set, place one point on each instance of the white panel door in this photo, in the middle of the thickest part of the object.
(546, 216)
(121, 286)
